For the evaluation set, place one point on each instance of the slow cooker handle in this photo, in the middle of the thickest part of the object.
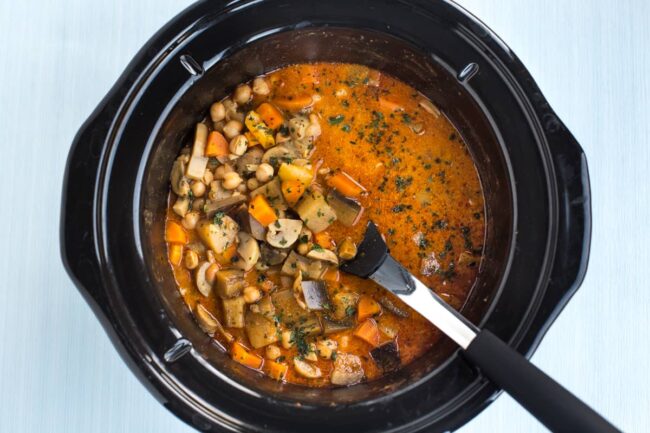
(77, 235)
(553, 405)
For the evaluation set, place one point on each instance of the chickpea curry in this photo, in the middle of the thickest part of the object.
(274, 191)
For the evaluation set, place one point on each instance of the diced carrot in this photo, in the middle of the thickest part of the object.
(331, 274)
(368, 332)
(367, 307)
(292, 190)
(344, 183)
(175, 254)
(261, 210)
(175, 233)
(276, 370)
(225, 258)
(324, 240)
(294, 103)
(240, 354)
(389, 106)
(270, 115)
(217, 145)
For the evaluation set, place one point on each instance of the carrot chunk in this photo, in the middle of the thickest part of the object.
(225, 258)
(240, 354)
(276, 370)
(261, 210)
(175, 254)
(294, 103)
(389, 106)
(368, 332)
(344, 183)
(367, 307)
(217, 145)
(270, 115)
(331, 274)
(175, 233)
(324, 240)
(292, 190)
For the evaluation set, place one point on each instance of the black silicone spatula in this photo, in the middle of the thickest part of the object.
(548, 401)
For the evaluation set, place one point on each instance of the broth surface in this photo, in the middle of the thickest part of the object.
(419, 186)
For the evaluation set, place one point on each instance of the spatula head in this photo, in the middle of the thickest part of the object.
(371, 254)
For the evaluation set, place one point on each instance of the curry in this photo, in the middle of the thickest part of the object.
(275, 191)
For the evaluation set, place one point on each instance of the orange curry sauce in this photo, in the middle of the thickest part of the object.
(423, 192)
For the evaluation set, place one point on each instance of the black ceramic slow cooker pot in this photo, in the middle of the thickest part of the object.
(533, 172)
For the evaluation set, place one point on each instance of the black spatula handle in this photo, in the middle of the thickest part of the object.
(548, 401)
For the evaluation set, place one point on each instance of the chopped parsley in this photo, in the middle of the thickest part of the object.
(218, 218)
(401, 183)
(335, 120)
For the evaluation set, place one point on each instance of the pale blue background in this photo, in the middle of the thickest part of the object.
(58, 371)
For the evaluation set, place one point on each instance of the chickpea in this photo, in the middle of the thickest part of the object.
(207, 177)
(190, 219)
(252, 294)
(303, 249)
(264, 172)
(232, 128)
(242, 94)
(252, 183)
(211, 273)
(231, 180)
(242, 188)
(285, 338)
(239, 145)
(198, 204)
(219, 172)
(261, 87)
(198, 189)
(217, 112)
(191, 259)
(273, 352)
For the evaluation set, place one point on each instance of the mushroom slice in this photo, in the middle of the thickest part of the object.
(347, 369)
(211, 324)
(347, 210)
(180, 185)
(201, 281)
(248, 250)
(223, 205)
(306, 369)
(249, 161)
(297, 291)
(319, 253)
(284, 232)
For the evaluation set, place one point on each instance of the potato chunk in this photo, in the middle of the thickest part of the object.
(315, 212)
(260, 330)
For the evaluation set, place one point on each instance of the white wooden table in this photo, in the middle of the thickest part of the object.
(58, 371)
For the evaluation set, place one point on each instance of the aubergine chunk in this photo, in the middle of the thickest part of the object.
(387, 356)
(233, 312)
(260, 330)
(315, 293)
(229, 282)
(347, 210)
(347, 370)
(292, 315)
